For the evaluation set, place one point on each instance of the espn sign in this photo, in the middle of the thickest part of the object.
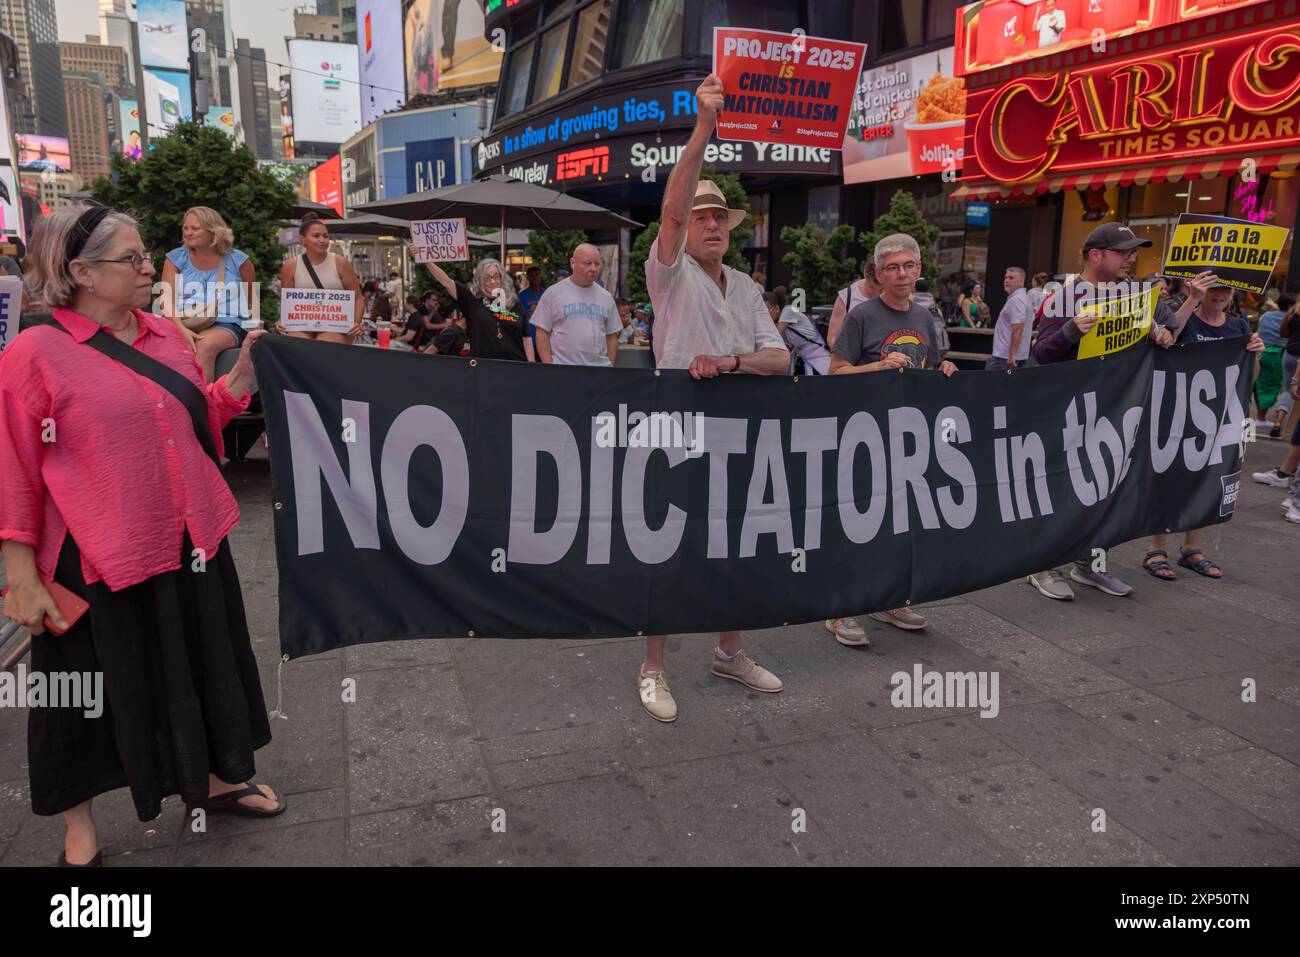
(593, 161)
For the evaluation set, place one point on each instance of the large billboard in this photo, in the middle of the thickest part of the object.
(992, 33)
(431, 164)
(446, 48)
(166, 99)
(325, 184)
(326, 98)
(128, 125)
(379, 44)
(907, 119)
(164, 40)
(223, 118)
(44, 153)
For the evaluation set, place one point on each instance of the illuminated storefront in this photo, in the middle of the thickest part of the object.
(1199, 115)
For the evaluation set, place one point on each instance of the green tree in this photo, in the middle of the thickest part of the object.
(198, 165)
(551, 249)
(729, 183)
(905, 217)
(820, 264)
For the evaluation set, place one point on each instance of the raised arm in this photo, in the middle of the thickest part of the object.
(441, 278)
(676, 211)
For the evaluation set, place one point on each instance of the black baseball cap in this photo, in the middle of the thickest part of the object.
(1115, 236)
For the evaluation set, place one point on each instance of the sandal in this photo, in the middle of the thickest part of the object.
(228, 803)
(1202, 565)
(1161, 569)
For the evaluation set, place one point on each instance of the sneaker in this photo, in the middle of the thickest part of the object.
(742, 668)
(656, 698)
(1293, 515)
(847, 631)
(1052, 584)
(1290, 502)
(1274, 477)
(1102, 581)
(899, 618)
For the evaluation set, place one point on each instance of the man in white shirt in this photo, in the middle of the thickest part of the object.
(710, 319)
(1050, 26)
(576, 320)
(1015, 324)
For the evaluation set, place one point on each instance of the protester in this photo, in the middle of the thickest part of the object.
(709, 320)
(318, 268)
(925, 300)
(129, 512)
(1201, 318)
(1271, 388)
(1289, 331)
(884, 334)
(808, 353)
(493, 317)
(1109, 253)
(1015, 324)
(196, 295)
(858, 291)
(576, 320)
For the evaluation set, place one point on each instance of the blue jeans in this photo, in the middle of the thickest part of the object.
(1285, 401)
(232, 327)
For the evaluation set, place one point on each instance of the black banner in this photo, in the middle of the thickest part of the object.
(431, 497)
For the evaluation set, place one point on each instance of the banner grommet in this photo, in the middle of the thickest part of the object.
(656, 373)
(279, 506)
(471, 633)
(796, 378)
(473, 362)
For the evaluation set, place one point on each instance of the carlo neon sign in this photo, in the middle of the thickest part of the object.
(1187, 102)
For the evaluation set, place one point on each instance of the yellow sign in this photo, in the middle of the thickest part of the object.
(1241, 254)
(1122, 321)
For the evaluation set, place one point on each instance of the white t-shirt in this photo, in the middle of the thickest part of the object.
(578, 320)
(1018, 311)
(1050, 26)
(694, 318)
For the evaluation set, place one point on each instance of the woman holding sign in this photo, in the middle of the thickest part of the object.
(318, 268)
(494, 318)
(1202, 317)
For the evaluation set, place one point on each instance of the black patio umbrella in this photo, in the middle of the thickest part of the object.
(369, 225)
(501, 201)
(305, 206)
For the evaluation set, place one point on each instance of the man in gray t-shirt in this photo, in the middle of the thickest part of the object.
(880, 335)
(576, 320)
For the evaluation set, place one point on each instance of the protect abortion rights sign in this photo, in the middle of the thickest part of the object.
(1240, 253)
(439, 240)
(1123, 319)
(785, 88)
(317, 310)
(426, 497)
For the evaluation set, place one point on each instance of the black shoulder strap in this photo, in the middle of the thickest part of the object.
(185, 391)
(312, 272)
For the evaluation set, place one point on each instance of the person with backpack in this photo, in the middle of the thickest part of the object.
(318, 268)
(808, 353)
(860, 290)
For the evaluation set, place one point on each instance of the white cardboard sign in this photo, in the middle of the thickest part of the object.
(439, 240)
(318, 310)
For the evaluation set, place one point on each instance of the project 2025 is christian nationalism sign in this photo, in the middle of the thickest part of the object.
(433, 497)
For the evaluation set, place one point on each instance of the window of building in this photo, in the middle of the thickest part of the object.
(648, 30)
(782, 16)
(520, 65)
(911, 23)
(589, 40)
(550, 63)
(824, 206)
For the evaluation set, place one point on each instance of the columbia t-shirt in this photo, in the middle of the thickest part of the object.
(872, 329)
(578, 319)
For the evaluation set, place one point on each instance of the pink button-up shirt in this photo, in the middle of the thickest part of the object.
(88, 446)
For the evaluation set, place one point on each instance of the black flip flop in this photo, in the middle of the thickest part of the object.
(228, 803)
(1154, 567)
(1202, 566)
(96, 861)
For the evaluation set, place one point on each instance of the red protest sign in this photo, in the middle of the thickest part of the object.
(785, 88)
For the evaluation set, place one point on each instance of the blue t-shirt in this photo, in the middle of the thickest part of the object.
(1197, 331)
(195, 284)
(1270, 327)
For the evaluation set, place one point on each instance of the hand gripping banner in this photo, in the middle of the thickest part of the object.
(434, 497)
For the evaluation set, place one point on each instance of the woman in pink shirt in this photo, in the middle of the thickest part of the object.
(110, 493)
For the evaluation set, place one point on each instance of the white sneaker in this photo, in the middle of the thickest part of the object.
(1274, 477)
(1290, 502)
(1293, 515)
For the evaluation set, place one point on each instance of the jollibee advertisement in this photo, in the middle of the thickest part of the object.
(908, 118)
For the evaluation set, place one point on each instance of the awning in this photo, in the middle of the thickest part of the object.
(1171, 172)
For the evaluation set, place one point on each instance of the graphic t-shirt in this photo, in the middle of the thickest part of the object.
(493, 334)
(578, 320)
(873, 329)
(1198, 331)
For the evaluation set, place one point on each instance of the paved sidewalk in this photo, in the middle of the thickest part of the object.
(1129, 705)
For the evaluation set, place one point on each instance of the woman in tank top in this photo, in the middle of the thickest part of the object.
(858, 291)
(333, 271)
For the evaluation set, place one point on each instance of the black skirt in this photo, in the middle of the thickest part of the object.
(182, 692)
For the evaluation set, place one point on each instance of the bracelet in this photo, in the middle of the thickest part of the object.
(737, 368)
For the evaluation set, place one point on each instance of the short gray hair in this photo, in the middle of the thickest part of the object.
(48, 279)
(896, 243)
(1020, 270)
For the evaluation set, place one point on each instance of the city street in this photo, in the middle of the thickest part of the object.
(1122, 711)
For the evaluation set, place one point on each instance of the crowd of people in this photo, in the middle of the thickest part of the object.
(128, 506)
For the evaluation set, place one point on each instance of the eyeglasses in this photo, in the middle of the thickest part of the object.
(136, 261)
(893, 269)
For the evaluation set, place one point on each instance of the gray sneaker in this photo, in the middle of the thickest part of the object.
(1102, 581)
(1052, 584)
(903, 618)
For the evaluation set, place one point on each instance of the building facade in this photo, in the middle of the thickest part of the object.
(34, 29)
(254, 114)
(89, 103)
